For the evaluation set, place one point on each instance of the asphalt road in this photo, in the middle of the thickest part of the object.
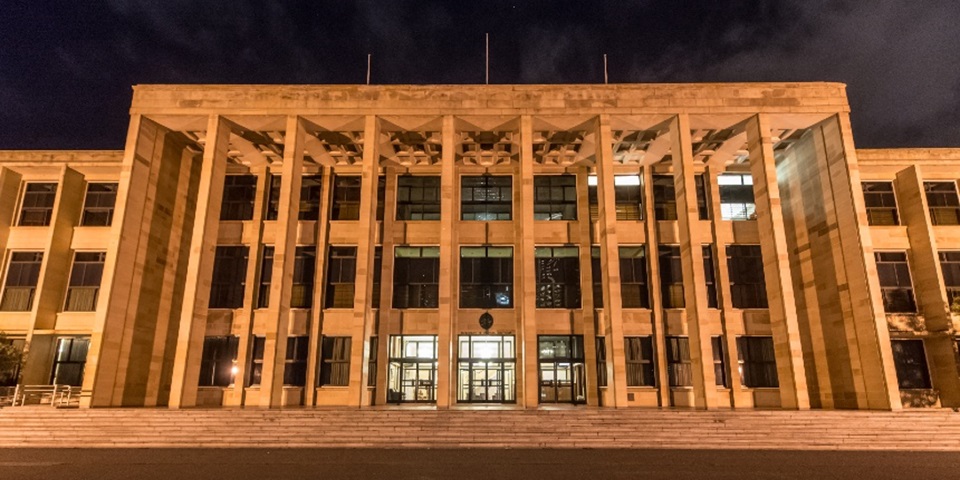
(421, 464)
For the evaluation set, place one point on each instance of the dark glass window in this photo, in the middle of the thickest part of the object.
(85, 279)
(36, 210)
(628, 194)
(943, 202)
(558, 277)
(950, 265)
(218, 361)
(418, 198)
(335, 361)
(703, 205)
(748, 288)
(679, 367)
(98, 205)
(304, 267)
(346, 198)
(910, 360)
(341, 275)
(736, 197)
(377, 268)
(881, 203)
(229, 277)
(597, 273)
(895, 283)
(758, 362)
(601, 362)
(638, 353)
(295, 364)
(554, 197)
(256, 360)
(69, 361)
(273, 197)
(486, 277)
(21, 284)
(709, 274)
(486, 197)
(633, 277)
(671, 276)
(719, 361)
(266, 276)
(416, 277)
(311, 189)
(10, 376)
(381, 196)
(664, 197)
(372, 362)
(239, 195)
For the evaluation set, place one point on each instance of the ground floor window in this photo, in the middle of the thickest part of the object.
(910, 360)
(218, 365)
(412, 372)
(758, 362)
(10, 375)
(487, 369)
(638, 353)
(335, 361)
(562, 378)
(69, 361)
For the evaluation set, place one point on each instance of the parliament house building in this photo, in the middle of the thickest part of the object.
(462, 246)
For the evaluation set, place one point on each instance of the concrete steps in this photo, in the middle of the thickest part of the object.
(398, 428)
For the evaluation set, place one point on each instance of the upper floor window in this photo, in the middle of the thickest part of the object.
(23, 273)
(418, 198)
(950, 265)
(638, 353)
(304, 268)
(486, 277)
(229, 277)
(341, 274)
(273, 198)
(633, 277)
(346, 198)
(85, 279)
(736, 197)
(895, 284)
(486, 197)
(239, 195)
(266, 277)
(36, 209)
(416, 277)
(377, 267)
(710, 277)
(910, 360)
(554, 197)
(664, 197)
(758, 362)
(99, 204)
(881, 203)
(943, 202)
(748, 288)
(628, 197)
(381, 196)
(558, 277)
(596, 271)
(311, 187)
(671, 276)
(703, 202)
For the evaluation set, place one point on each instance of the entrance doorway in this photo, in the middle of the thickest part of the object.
(562, 377)
(412, 369)
(487, 369)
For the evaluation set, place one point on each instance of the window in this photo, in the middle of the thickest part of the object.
(758, 362)
(85, 281)
(950, 265)
(628, 195)
(377, 268)
(229, 277)
(22, 276)
(601, 362)
(881, 203)
(416, 277)
(239, 194)
(895, 284)
(304, 266)
(664, 197)
(486, 277)
(418, 198)
(558, 277)
(703, 206)
(99, 204)
(346, 198)
(372, 362)
(310, 194)
(256, 361)
(633, 277)
(381, 196)
(486, 197)
(562, 369)
(36, 210)
(709, 274)
(266, 276)
(596, 271)
(679, 368)
(218, 364)
(719, 361)
(341, 273)
(412, 369)
(671, 276)
(554, 197)
(273, 198)
(69, 361)
(736, 197)
(10, 376)
(910, 360)
(638, 353)
(943, 202)
(295, 364)
(748, 288)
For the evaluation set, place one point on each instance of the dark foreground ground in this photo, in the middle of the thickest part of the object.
(260, 464)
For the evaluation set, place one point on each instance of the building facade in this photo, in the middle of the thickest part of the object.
(708, 246)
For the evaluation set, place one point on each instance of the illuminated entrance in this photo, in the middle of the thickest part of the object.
(412, 369)
(561, 369)
(488, 369)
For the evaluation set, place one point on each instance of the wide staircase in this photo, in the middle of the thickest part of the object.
(544, 428)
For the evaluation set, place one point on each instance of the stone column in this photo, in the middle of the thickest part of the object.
(653, 284)
(612, 327)
(319, 289)
(203, 247)
(691, 257)
(589, 318)
(776, 267)
(446, 389)
(386, 312)
(524, 270)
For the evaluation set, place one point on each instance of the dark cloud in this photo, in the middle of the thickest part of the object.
(66, 68)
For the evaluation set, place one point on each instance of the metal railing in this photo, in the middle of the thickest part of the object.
(57, 396)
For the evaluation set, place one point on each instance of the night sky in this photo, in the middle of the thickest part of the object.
(66, 66)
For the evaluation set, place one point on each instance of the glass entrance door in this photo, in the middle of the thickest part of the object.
(487, 369)
(562, 377)
(412, 372)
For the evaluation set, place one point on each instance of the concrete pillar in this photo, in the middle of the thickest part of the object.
(446, 386)
(612, 327)
(528, 395)
(653, 285)
(691, 257)
(203, 246)
(776, 267)
(319, 289)
(386, 312)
